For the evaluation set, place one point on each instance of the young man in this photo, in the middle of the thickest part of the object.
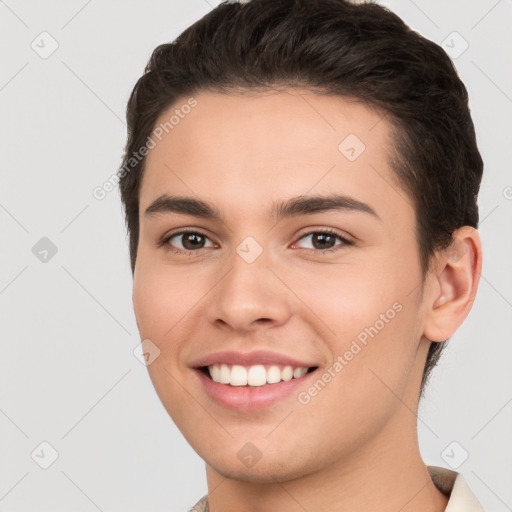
(300, 185)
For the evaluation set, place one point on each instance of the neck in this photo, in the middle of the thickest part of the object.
(396, 479)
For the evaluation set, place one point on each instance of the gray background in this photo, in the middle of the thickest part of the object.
(68, 374)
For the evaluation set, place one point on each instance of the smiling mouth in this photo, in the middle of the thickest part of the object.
(254, 375)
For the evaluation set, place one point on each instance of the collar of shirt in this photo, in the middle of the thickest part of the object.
(450, 483)
(453, 484)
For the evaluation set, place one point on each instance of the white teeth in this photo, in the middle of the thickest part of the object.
(224, 374)
(287, 373)
(256, 375)
(238, 376)
(273, 375)
(215, 372)
(299, 372)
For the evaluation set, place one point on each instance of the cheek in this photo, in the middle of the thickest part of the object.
(169, 307)
(368, 319)
(161, 301)
(161, 297)
(348, 298)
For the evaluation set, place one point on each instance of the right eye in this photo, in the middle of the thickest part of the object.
(191, 241)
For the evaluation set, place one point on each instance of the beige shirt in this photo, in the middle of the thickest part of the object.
(449, 482)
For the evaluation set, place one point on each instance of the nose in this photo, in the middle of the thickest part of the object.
(249, 295)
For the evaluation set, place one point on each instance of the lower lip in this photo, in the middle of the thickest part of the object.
(247, 398)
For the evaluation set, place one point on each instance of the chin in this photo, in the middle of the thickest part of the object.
(264, 471)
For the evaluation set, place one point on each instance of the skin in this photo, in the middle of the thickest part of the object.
(354, 446)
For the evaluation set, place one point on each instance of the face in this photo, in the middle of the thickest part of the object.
(263, 282)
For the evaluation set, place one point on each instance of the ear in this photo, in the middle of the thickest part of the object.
(453, 285)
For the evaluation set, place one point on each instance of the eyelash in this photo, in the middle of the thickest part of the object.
(165, 241)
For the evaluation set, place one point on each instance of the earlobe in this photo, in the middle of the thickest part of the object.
(455, 283)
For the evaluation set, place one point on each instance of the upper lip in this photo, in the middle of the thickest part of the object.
(249, 358)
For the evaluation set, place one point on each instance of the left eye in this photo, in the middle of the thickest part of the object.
(324, 240)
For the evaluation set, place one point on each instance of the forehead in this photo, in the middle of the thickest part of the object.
(249, 150)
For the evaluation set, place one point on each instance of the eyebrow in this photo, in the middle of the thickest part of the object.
(294, 207)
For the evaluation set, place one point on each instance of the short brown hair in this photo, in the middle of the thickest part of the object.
(336, 47)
